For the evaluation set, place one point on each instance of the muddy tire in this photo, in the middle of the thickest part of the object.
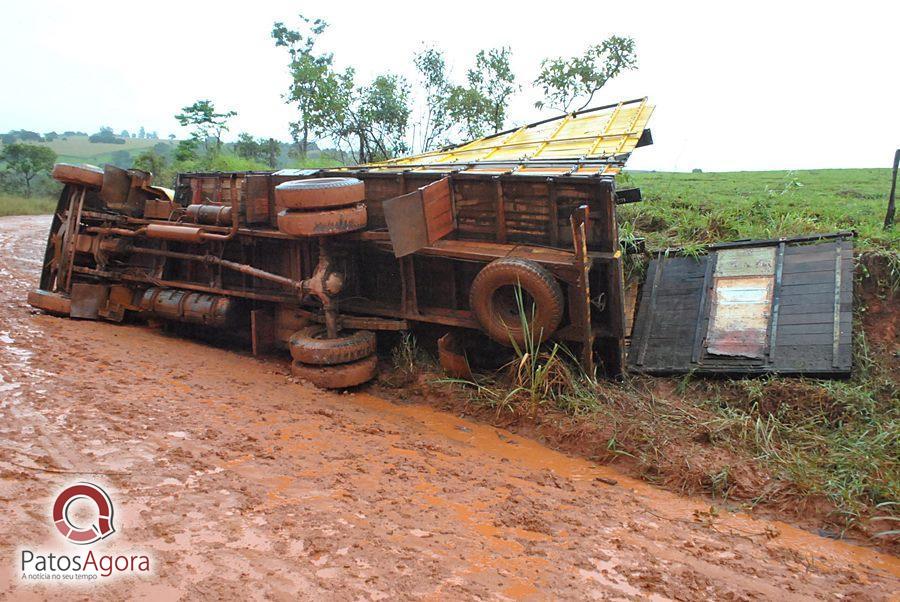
(320, 193)
(82, 175)
(310, 345)
(322, 223)
(52, 303)
(493, 299)
(339, 376)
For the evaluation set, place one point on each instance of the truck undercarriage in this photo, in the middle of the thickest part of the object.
(446, 238)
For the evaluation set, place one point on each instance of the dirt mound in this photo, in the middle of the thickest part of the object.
(877, 293)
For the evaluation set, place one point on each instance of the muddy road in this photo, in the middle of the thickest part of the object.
(240, 483)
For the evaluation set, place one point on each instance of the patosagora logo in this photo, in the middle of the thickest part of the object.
(75, 534)
(64, 564)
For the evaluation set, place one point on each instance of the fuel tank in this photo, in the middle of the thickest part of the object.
(216, 215)
(190, 307)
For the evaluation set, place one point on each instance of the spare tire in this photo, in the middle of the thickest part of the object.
(52, 303)
(322, 223)
(83, 175)
(493, 300)
(339, 376)
(310, 345)
(320, 193)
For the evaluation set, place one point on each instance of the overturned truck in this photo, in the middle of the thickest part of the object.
(321, 260)
(521, 223)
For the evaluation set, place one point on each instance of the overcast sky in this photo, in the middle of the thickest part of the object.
(737, 86)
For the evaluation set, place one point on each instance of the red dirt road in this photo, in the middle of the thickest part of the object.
(242, 484)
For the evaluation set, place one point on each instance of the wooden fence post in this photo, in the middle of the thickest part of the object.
(889, 218)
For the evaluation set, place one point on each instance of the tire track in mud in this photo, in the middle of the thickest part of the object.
(242, 483)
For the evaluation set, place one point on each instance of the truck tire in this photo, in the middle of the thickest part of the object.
(320, 193)
(322, 223)
(339, 376)
(82, 175)
(52, 303)
(310, 345)
(493, 300)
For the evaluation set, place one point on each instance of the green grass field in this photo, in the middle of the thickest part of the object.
(692, 209)
(684, 209)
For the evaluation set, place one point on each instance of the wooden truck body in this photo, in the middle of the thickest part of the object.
(212, 253)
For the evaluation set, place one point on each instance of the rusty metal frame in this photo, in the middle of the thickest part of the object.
(241, 264)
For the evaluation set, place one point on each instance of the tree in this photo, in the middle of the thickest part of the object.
(315, 86)
(384, 110)
(479, 107)
(186, 150)
(493, 79)
(121, 158)
(28, 160)
(271, 151)
(105, 135)
(124, 134)
(208, 125)
(437, 121)
(142, 133)
(262, 149)
(371, 122)
(469, 109)
(150, 160)
(565, 80)
(27, 136)
(51, 136)
(246, 146)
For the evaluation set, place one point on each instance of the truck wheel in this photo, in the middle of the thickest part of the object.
(310, 345)
(339, 376)
(320, 193)
(322, 223)
(493, 299)
(83, 175)
(52, 303)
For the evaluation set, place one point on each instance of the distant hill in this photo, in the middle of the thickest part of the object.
(77, 149)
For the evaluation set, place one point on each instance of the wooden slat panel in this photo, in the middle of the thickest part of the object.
(818, 338)
(822, 318)
(814, 266)
(437, 209)
(794, 329)
(817, 298)
(805, 332)
(817, 307)
(808, 289)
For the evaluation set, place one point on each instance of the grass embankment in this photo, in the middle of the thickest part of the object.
(820, 450)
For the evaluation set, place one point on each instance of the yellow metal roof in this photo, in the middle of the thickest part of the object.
(591, 142)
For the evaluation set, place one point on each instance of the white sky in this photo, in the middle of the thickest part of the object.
(738, 86)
